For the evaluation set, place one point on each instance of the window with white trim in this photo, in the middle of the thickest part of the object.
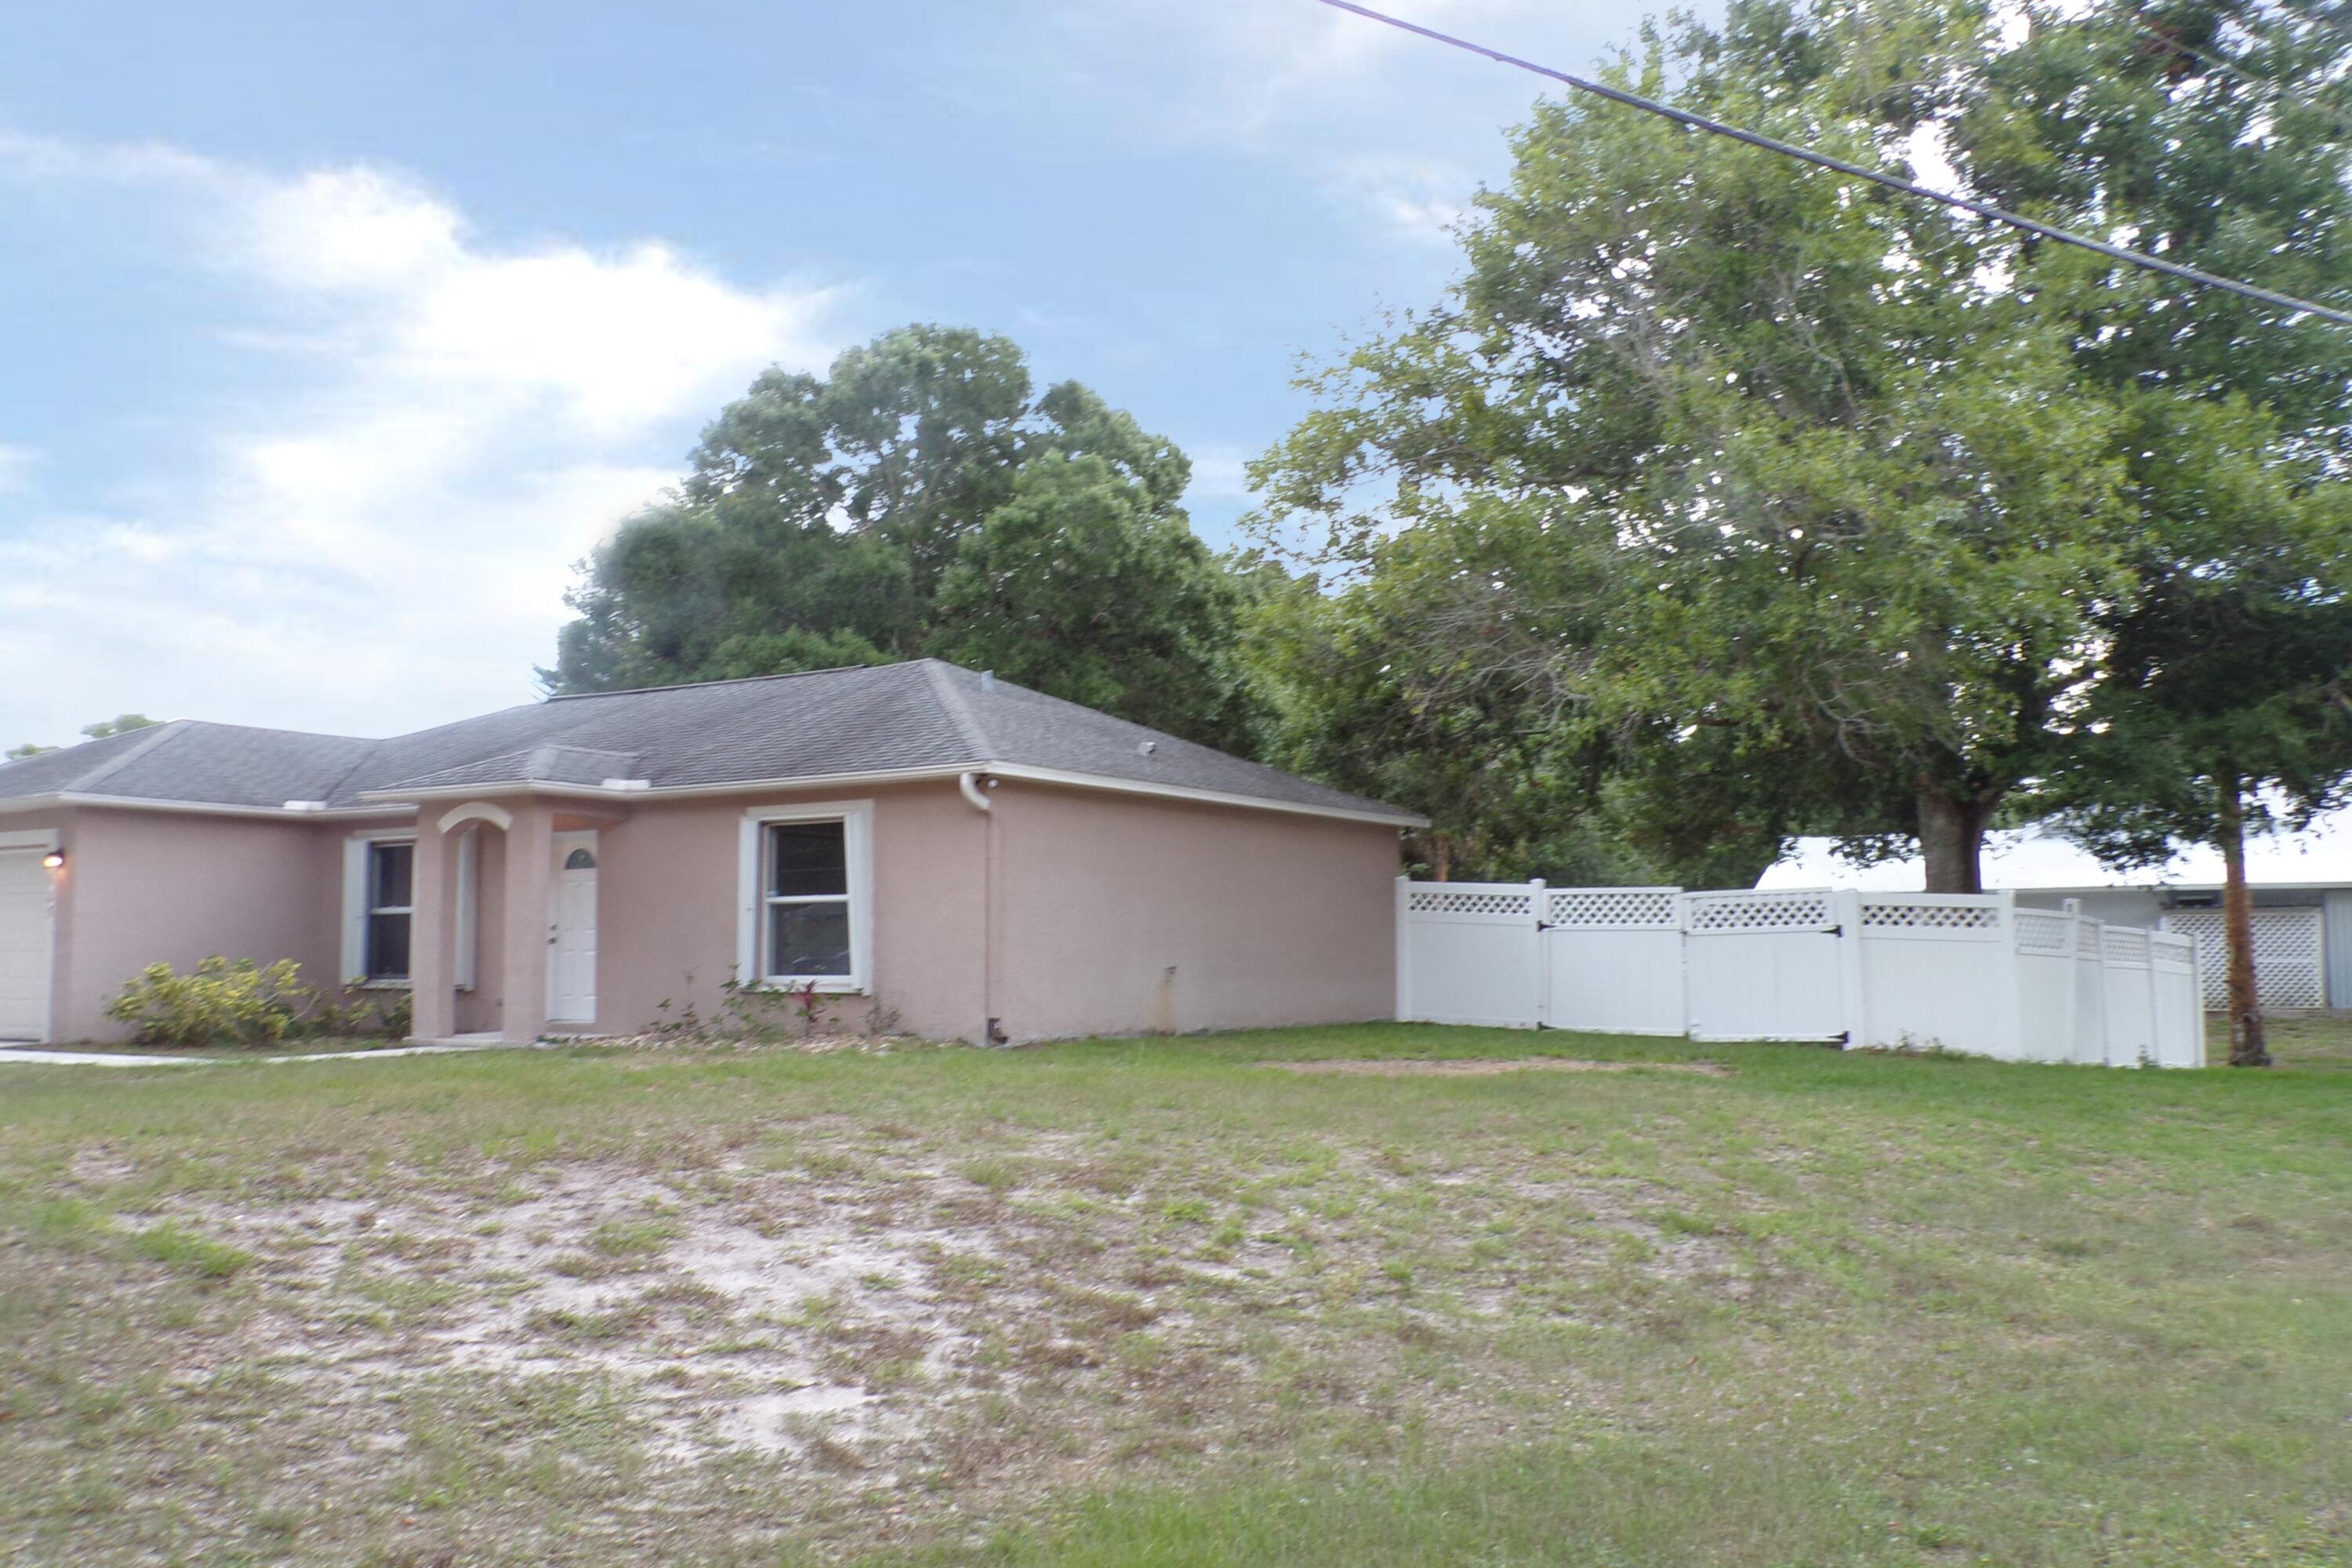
(390, 907)
(806, 931)
(808, 896)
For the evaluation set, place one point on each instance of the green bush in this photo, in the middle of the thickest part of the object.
(216, 1003)
(362, 1012)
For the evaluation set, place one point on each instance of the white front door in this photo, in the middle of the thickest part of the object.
(572, 931)
(26, 905)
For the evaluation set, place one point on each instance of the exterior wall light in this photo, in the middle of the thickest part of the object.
(55, 859)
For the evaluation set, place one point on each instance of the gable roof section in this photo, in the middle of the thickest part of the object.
(920, 718)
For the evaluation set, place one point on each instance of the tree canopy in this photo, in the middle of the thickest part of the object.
(121, 724)
(1821, 521)
(920, 499)
(1785, 503)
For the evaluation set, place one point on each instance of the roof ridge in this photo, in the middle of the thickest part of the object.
(164, 732)
(729, 680)
(960, 714)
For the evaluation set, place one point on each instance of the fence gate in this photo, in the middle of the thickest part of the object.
(1468, 953)
(1765, 966)
(1614, 960)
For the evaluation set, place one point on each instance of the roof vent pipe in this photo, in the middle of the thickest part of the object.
(988, 681)
(970, 783)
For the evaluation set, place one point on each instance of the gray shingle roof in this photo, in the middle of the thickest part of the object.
(920, 715)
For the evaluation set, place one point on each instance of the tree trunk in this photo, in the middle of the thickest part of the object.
(1441, 859)
(2247, 1047)
(1951, 841)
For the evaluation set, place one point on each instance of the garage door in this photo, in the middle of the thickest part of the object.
(25, 914)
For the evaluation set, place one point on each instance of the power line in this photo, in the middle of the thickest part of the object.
(1684, 117)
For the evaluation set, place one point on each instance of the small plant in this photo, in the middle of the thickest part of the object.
(767, 1015)
(216, 1003)
(386, 1013)
(397, 1015)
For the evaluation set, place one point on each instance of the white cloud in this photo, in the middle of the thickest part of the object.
(1219, 473)
(1393, 128)
(386, 545)
(1245, 71)
(16, 461)
(1417, 198)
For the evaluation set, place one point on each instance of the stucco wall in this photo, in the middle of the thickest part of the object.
(1121, 913)
(667, 896)
(1113, 913)
(144, 887)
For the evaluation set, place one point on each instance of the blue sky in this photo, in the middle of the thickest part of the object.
(335, 335)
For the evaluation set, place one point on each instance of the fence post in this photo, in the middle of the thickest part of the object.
(1403, 949)
(1541, 989)
(1682, 931)
(2012, 1001)
(2197, 976)
(1846, 906)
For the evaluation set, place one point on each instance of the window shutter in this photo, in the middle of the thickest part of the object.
(748, 967)
(355, 870)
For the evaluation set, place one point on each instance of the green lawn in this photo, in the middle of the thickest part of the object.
(1129, 1303)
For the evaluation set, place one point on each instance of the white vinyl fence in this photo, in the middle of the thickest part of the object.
(1969, 973)
(2290, 955)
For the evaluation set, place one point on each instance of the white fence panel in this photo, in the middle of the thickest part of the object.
(1466, 954)
(1938, 969)
(2131, 996)
(1614, 960)
(2290, 955)
(2180, 1005)
(2090, 992)
(1765, 966)
(2045, 944)
(1969, 973)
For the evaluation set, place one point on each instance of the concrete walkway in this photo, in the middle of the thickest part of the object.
(41, 1056)
(91, 1059)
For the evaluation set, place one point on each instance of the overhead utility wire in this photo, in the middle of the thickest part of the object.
(1876, 176)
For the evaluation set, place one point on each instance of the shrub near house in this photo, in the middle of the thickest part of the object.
(220, 1003)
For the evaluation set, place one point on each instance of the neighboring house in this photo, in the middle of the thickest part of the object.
(919, 843)
(2302, 887)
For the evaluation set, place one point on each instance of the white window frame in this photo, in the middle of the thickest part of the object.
(856, 819)
(358, 850)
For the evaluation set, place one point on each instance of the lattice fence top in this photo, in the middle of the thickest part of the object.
(2125, 944)
(2290, 955)
(2086, 938)
(1436, 899)
(1613, 909)
(2170, 952)
(2041, 931)
(1759, 911)
(1910, 915)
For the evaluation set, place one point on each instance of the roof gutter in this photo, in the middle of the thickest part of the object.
(59, 799)
(384, 803)
(1398, 819)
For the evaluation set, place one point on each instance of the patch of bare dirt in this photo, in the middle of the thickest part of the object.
(971, 1326)
(1483, 1067)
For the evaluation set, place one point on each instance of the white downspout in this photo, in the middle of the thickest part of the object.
(969, 783)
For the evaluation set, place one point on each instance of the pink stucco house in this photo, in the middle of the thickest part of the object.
(978, 860)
